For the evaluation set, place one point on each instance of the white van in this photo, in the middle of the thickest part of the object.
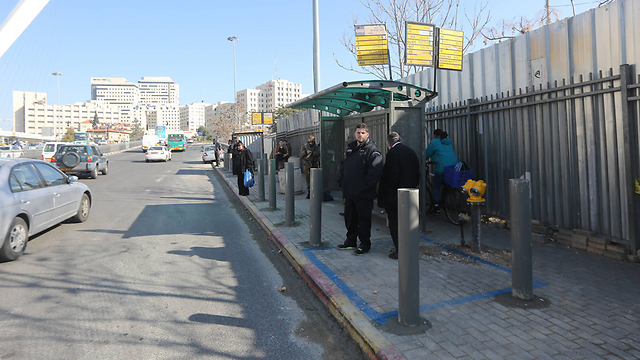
(149, 141)
(50, 149)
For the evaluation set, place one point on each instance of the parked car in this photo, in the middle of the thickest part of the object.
(208, 154)
(11, 151)
(103, 142)
(33, 146)
(158, 153)
(81, 160)
(50, 149)
(35, 196)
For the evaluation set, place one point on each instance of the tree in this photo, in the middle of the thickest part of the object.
(206, 133)
(95, 123)
(136, 131)
(69, 136)
(226, 121)
(282, 112)
(442, 13)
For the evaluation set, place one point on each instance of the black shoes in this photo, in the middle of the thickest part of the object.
(360, 251)
(345, 247)
(436, 210)
(308, 194)
(393, 255)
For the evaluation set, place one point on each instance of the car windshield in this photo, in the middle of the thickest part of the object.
(50, 148)
(5, 148)
(78, 149)
(156, 148)
(209, 148)
(175, 137)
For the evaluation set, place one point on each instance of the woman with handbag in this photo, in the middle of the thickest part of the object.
(245, 161)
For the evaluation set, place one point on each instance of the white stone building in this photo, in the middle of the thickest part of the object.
(167, 115)
(158, 90)
(116, 91)
(192, 116)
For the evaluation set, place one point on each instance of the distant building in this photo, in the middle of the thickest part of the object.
(32, 114)
(192, 116)
(116, 91)
(212, 113)
(270, 95)
(167, 115)
(158, 90)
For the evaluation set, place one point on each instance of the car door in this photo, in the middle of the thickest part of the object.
(65, 196)
(35, 199)
(102, 160)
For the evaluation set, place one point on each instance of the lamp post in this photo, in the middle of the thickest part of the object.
(57, 75)
(233, 39)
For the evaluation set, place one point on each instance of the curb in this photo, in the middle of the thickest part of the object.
(374, 345)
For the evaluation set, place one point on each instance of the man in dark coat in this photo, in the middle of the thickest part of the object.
(360, 172)
(401, 170)
(245, 162)
(310, 157)
(217, 150)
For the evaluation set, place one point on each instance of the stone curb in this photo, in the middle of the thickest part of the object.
(359, 327)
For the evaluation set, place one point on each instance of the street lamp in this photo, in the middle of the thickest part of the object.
(57, 75)
(233, 39)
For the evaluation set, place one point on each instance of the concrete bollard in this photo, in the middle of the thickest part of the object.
(289, 203)
(521, 257)
(408, 257)
(315, 208)
(260, 179)
(272, 184)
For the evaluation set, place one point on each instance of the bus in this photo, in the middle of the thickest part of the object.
(176, 140)
(81, 137)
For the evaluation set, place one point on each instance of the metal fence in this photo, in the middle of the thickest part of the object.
(576, 141)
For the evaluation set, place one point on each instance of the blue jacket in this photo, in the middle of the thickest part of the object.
(441, 153)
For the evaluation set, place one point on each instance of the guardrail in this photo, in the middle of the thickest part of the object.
(105, 149)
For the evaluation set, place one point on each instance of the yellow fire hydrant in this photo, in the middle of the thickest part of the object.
(475, 191)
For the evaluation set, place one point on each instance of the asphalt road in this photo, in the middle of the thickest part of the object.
(168, 266)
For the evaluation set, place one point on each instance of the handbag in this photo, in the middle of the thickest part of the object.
(248, 178)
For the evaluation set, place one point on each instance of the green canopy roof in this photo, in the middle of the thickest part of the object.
(363, 96)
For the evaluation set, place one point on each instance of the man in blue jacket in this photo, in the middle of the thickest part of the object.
(442, 155)
(360, 172)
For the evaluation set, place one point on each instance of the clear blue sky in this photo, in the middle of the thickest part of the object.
(187, 41)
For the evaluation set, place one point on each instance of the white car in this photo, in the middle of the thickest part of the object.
(208, 154)
(50, 149)
(103, 142)
(11, 151)
(158, 153)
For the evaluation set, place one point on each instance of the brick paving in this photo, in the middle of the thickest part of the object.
(593, 302)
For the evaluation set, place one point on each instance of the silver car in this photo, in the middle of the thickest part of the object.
(35, 196)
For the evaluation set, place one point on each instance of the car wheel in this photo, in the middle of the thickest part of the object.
(203, 161)
(147, 160)
(15, 241)
(83, 210)
(106, 169)
(94, 173)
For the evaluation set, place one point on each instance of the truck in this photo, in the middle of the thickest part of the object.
(149, 141)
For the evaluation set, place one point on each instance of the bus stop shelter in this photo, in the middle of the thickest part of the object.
(385, 106)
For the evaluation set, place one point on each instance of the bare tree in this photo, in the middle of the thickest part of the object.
(442, 13)
(508, 29)
(226, 121)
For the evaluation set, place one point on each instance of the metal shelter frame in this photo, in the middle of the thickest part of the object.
(384, 105)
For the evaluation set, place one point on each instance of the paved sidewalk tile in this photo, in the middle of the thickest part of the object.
(593, 310)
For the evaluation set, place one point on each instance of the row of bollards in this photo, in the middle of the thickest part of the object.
(408, 234)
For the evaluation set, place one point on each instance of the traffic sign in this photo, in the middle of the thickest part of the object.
(420, 42)
(450, 46)
(372, 46)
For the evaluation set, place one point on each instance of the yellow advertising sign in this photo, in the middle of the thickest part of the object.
(419, 49)
(267, 118)
(372, 47)
(450, 46)
(257, 118)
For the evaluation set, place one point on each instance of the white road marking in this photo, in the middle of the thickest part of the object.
(160, 178)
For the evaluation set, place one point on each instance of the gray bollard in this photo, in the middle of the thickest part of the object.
(315, 208)
(230, 163)
(408, 257)
(521, 260)
(272, 184)
(289, 203)
(260, 179)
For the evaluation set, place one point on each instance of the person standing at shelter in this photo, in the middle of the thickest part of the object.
(310, 156)
(360, 172)
(401, 170)
(442, 155)
(216, 147)
(280, 153)
(245, 162)
(235, 158)
(287, 155)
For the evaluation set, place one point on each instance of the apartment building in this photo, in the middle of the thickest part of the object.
(32, 114)
(167, 115)
(276, 93)
(213, 113)
(116, 91)
(192, 116)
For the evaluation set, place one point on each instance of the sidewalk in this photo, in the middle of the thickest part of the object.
(589, 305)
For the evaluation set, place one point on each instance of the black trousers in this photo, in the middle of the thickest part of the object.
(392, 215)
(242, 190)
(357, 219)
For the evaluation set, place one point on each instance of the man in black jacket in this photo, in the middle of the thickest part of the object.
(360, 172)
(401, 170)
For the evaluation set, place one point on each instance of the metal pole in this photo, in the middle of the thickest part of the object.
(476, 239)
(521, 262)
(260, 179)
(315, 208)
(408, 260)
(272, 184)
(233, 39)
(316, 47)
(55, 126)
(289, 203)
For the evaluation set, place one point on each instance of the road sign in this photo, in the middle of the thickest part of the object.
(372, 47)
(257, 118)
(420, 39)
(450, 45)
(267, 118)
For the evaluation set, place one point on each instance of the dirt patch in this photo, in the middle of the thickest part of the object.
(496, 256)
